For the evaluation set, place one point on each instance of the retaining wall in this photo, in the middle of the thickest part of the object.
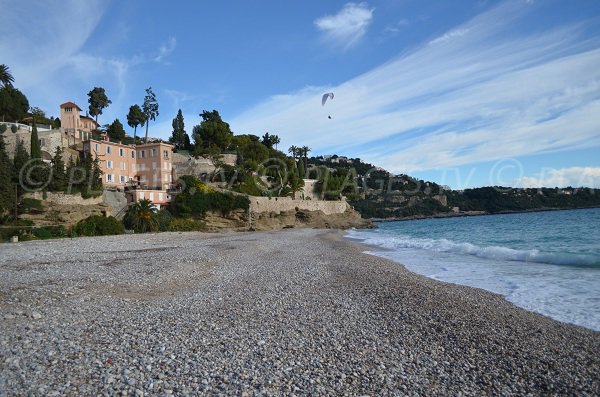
(65, 199)
(280, 204)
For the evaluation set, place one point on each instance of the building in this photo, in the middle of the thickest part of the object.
(143, 171)
(74, 124)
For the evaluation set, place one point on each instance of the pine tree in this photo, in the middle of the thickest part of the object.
(59, 177)
(7, 191)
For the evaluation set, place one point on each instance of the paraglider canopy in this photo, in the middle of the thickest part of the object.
(326, 96)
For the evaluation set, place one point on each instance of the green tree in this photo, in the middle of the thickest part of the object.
(116, 131)
(13, 104)
(36, 150)
(178, 136)
(59, 176)
(141, 217)
(7, 191)
(293, 150)
(135, 117)
(6, 77)
(212, 132)
(98, 101)
(303, 152)
(150, 108)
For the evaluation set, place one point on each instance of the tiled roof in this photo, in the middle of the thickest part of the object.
(69, 105)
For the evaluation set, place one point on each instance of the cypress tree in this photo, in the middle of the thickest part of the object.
(59, 177)
(7, 191)
(36, 150)
(19, 162)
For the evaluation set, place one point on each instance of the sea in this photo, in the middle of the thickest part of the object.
(546, 262)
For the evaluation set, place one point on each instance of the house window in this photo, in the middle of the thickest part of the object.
(68, 110)
(96, 147)
(151, 196)
(133, 154)
(122, 178)
(142, 195)
(108, 150)
(153, 153)
(166, 154)
(109, 164)
(109, 177)
(121, 152)
(142, 154)
(160, 197)
(153, 165)
(123, 166)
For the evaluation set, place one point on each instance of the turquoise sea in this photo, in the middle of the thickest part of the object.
(547, 262)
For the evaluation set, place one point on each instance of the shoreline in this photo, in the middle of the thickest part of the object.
(299, 311)
(474, 213)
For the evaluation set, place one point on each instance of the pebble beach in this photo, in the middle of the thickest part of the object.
(289, 312)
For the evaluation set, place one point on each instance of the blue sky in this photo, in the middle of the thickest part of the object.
(468, 93)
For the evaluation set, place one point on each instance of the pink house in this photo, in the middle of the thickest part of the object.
(144, 171)
(74, 123)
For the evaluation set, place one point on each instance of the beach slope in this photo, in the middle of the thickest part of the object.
(288, 312)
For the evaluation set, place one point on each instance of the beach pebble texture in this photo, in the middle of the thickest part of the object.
(293, 312)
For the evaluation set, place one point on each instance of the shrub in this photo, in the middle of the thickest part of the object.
(2, 128)
(197, 199)
(98, 225)
(42, 233)
(31, 205)
(186, 225)
(164, 218)
(13, 128)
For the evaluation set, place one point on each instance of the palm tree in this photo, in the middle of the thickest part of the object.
(293, 150)
(141, 217)
(276, 141)
(6, 77)
(304, 152)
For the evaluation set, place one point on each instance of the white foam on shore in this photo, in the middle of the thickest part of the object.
(529, 279)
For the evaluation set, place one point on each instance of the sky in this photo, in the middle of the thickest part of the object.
(465, 94)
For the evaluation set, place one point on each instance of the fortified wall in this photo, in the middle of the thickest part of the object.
(282, 204)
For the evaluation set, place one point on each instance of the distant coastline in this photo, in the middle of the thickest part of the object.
(473, 213)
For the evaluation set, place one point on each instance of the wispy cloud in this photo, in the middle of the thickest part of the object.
(348, 26)
(165, 49)
(564, 177)
(476, 96)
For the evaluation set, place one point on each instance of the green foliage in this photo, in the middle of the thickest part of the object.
(59, 178)
(212, 132)
(98, 101)
(13, 129)
(150, 108)
(186, 225)
(141, 217)
(42, 233)
(179, 137)
(164, 218)
(116, 131)
(198, 201)
(36, 150)
(6, 78)
(7, 191)
(2, 128)
(98, 225)
(31, 205)
(135, 117)
(13, 104)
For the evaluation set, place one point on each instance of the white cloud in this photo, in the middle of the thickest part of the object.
(348, 26)
(479, 97)
(166, 49)
(449, 36)
(564, 177)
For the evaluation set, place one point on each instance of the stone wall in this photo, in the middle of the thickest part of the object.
(281, 204)
(50, 139)
(188, 165)
(64, 199)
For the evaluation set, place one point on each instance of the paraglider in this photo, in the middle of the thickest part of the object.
(326, 96)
